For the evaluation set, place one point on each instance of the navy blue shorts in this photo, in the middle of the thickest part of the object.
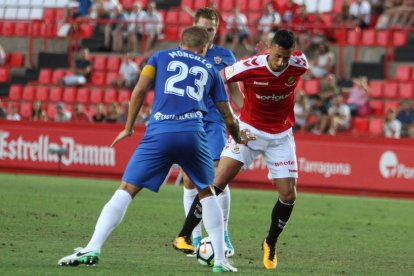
(150, 163)
(216, 137)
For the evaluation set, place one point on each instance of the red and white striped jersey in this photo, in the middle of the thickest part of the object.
(268, 95)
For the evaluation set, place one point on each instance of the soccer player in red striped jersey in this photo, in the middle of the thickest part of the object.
(269, 84)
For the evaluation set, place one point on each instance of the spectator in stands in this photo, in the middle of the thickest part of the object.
(267, 23)
(116, 29)
(396, 15)
(136, 17)
(300, 25)
(406, 116)
(360, 12)
(301, 110)
(339, 116)
(237, 31)
(2, 55)
(38, 113)
(13, 115)
(62, 115)
(105, 8)
(144, 113)
(153, 24)
(123, 116)
(81, 69)
(83, 10)
(322, 63)
(128, 73)
(3, 112)
(287, 11)
(343, 18)
(318, 117)
(358, 99)
(392, 127)
(99, 115)
(328, 90)
(112, 113)
(79, 115)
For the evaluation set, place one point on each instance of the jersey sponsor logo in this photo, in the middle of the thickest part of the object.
(273, 97)
(390, 167)
(185, 116)
(217, 59)
(291, 81)
(285, 163)
(261, 83)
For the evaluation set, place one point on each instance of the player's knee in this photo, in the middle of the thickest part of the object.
(288, 196)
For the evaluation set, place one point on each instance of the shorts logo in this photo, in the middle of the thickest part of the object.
(285, 163)
(217, 60)
(291, 81)
(236, 149)
(293, 171)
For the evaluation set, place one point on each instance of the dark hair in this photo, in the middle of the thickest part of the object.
(207, 13)
(195, 37)
(284, 38)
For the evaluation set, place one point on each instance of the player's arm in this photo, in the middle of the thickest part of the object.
(236, 95)
(145, 82)
(241, 137)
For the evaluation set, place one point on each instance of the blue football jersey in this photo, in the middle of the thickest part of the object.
(220, 58)
(184, 82)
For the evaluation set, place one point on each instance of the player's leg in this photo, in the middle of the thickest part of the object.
(190, 192)
(110, 217)
(283, 170)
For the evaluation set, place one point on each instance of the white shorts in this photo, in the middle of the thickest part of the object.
(278, 150)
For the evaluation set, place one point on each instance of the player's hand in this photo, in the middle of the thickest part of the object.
(246, 136)
(122, 135)
(261, 47)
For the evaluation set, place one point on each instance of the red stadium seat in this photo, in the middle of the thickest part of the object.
(60, 14)
(171, 33)
(110, 96)
(58, 75)
(99, 63)
(29, 92)
(257, 5)
(49, 15)
(403, 72)
(83, 95)
(360, 125)
(97, 78)
(376, 88)
(199, 4)
(113, 63)
(96, 95)
(376, 126)
(45, 76)
(353, 37)
(51, 111)
(17, 60)
(300, 85)
(4, 74)
(185, 18)
(15, 92)
(69, 95)
(48, 30)
(337, 6)
(149, 98)
(85, 30)
(111, 76)
(377, 107)
(8, 28)
(391, 105)
(369, 37)
(242, 5)
(26, 110)
(128, 4)
(35, 28)
(390, 89)
(187, 3)
(406, 90)
(22, 29)
(340, 36)
(55, 94)
(399, 38)
(123, 95)
(312, 86)
(42, 93)
(172, 17)
(383, 38)
(227, 6)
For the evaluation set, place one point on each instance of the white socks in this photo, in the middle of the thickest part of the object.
(188, 198)
(212, 218)
(224, 200)
(111, 215)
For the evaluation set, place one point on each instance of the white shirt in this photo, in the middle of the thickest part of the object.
(152, 23)
(363, 9)
(129, 71)
(266, 21)
(343, 110)
(392, 129)
(136, 19)
(13, 117)
(240, 23)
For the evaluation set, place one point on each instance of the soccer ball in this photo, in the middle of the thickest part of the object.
(205, 252)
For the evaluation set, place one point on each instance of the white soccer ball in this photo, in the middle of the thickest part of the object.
(205, 252)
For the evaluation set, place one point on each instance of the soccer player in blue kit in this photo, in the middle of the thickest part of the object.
(183, 80)
(216, 133)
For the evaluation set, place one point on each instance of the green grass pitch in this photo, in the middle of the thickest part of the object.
(43, 218)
